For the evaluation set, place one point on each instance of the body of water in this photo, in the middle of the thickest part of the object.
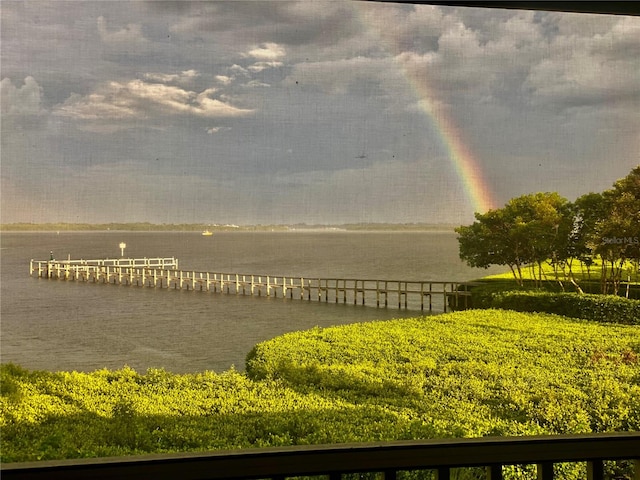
(57, 325)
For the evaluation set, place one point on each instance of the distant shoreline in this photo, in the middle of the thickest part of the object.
(148, 227)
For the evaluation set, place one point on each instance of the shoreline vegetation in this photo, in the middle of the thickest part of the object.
(544, 289)
(462, 374)
(199, 227)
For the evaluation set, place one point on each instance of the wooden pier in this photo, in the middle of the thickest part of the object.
(164, 273)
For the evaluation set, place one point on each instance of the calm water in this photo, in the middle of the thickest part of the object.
(58, 325)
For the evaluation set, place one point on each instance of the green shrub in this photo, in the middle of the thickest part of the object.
(472, 373)
(464, 374)
(9, 388)
(603, 308)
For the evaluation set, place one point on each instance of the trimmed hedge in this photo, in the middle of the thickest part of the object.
(603, 308)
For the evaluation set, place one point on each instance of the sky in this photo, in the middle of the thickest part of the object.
(317, 112)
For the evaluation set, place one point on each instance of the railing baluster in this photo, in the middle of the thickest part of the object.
(595, 470)
(545, 471)
(443, 473)
(390, 474)
(494, 472)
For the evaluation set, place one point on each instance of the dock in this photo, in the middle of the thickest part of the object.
(164, 273)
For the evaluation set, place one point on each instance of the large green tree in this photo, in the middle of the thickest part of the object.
(587, 210)
(528, 230)
(535, 228)
(615, 236)
(486, 242)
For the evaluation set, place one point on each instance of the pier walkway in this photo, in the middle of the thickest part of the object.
(164, 273)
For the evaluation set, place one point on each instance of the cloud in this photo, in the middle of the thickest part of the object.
(244, 74)
(260, 66)
(467, 62)
(168, 98)
(267, 52)
(256, 84)
(429, 49)
(238, 70)
(185, 76)
(24, 100)
(268, 23)
(139, 99)
(343, 76)
(213, 130)
(588, 69)
(131, 34)
(110, 105)
(210, 107)
(524, 59)
(224, 79)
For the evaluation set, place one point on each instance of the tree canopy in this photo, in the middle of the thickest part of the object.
(546, 227)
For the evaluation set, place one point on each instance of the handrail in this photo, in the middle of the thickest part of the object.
(334, 460)
(117, 262)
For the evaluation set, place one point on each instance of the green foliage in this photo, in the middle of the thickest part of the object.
(494, 292)
(465, 374)
(529, 229)
(71, 414)
(470, 373)
(540, 228)
(9, 387)
(473, 373)
(615, 236)
(603, 308)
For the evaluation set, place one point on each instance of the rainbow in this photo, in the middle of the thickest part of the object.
(465, 165)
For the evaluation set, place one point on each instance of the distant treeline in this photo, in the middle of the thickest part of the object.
(137, 226)
(400, 226)
(198, 227)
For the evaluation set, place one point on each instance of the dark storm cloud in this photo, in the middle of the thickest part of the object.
(305, 27)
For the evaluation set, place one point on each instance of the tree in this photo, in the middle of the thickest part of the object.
(486, 242)
(589, 210)
(541, 226)
(545, 227)
(528, 230)
(615, 236)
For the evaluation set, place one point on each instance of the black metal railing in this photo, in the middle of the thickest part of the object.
(334, 460)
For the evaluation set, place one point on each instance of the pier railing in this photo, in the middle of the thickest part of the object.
(166, 262)
(164, 273)
(388, 459)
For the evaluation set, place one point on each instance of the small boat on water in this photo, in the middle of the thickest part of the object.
(207, 233)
